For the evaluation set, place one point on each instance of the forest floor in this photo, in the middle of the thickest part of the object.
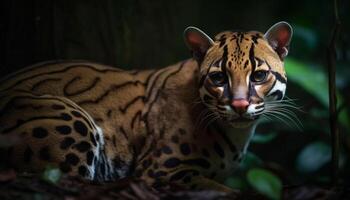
(28, 186)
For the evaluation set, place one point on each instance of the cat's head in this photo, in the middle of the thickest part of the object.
(241, 72)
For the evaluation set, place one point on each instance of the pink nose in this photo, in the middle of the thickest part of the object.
(240, 105)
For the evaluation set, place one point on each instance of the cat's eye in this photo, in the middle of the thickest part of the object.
(218, 78)
(258, 76)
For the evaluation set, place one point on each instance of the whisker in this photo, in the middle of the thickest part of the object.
(297, 123)
(200, 117)
(211, 121)
(292, 115)
(203, 121)
(278, 118)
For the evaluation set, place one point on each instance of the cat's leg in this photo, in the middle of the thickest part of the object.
(154, 173)
(50, 130)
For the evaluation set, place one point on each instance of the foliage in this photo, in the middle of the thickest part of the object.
(307, 76)
(51, 175)
(265, 182)
(313, 157)
(264, 138)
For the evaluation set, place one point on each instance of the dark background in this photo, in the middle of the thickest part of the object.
(147, 34)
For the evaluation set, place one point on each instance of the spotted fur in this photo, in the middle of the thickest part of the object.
(189, 123)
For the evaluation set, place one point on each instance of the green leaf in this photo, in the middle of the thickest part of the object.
(313, 157)
(51, 175)
(314, 80)
(263, 138)
(265, 182)
(236, 183)
(250, 160)
(311, 78)
(38, 196)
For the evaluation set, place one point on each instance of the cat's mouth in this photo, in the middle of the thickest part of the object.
(242, 119)
(242, 122)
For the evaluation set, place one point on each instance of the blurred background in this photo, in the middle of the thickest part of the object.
(143, 34)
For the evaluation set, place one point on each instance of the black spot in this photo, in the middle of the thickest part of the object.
(222, 165)
(180, 174)
(97, 137)
(212, 175)
(146, 163)
(57, 107)
(76, 113)
(150, 173)
(172, 162)
(205, 153)
(245, 64)
(187, 179)
(118, 162)
(65, 167)
(89, 157)
(9, 152)
(92, 138)
(103, 170)
(66, 117)
(195, 173)
(64, 130)
(219, 150)
(159, 184)
(157, 153)
(100, 120)
(83, 146)
(198, 162)
(114, 140)
(44, 153)
(222, 40)
(255, 38)
(278, 94)
(155, 166)
(260, 106)
(279, 77)
(138, 173)
(185, 149)
(40, 132)
(109, 113)
(82, 171)
(160, 173)
(28, 153)
(235, 157)
(67, 142)
(175, 139)
(167, 150)
(80, 128)
(193, 187)
(72, 159)
(182, 131)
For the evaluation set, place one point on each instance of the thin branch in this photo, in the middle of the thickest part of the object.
(333, 114)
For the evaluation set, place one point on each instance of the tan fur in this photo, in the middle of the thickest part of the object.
(151, 123)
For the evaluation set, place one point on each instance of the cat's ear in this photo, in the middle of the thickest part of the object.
(198, 42)
(279, 37)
